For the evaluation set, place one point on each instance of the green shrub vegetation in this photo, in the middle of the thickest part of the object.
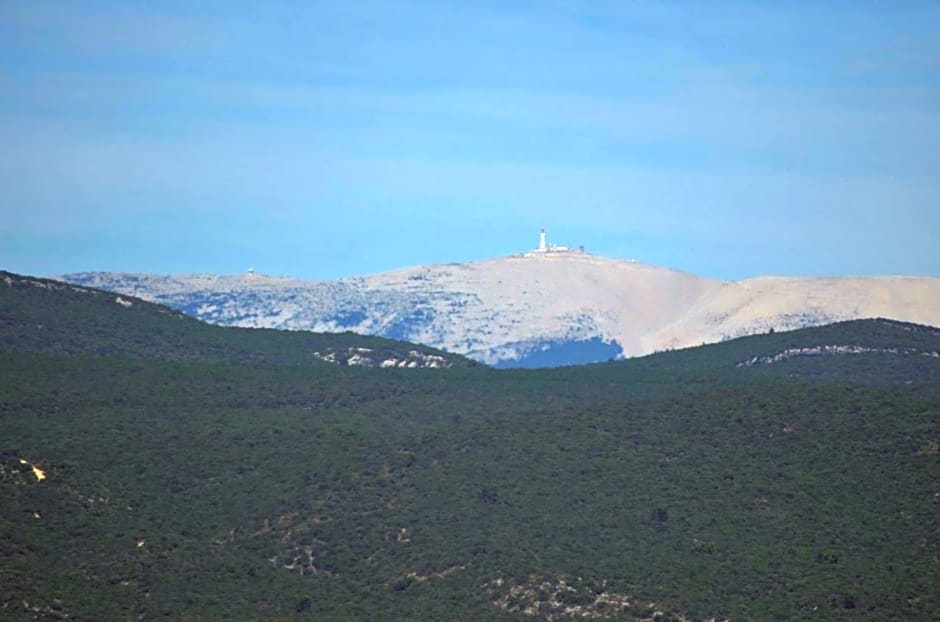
(193, 472)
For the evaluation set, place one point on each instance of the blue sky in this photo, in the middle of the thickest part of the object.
(324, 139)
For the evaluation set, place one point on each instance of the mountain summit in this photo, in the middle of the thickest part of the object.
(551, 306)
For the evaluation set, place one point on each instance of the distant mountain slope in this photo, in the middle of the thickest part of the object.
(43, 315)
(537, 309)
(757, 305)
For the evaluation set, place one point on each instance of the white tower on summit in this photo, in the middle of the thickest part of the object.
(543, 245)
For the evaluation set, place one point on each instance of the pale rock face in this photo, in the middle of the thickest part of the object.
(362, 357)
(756, 305)
(503, 310)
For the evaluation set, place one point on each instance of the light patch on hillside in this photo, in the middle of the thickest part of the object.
(364, 357)
(39, 473)
(436, 574)
(556, 598)
(830, 350)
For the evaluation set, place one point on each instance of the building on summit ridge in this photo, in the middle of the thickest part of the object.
(545, 247)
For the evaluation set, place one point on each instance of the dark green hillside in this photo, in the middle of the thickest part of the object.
(42, 315)
(203, 483)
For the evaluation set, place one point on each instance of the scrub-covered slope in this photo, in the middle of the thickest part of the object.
(783, 476)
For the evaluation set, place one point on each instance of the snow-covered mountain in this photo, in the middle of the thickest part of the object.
(535, 309)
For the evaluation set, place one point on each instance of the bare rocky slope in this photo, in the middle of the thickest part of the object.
(535, 309)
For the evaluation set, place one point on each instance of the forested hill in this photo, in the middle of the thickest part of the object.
(43, 315)
(857, 351)
(153, 467)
